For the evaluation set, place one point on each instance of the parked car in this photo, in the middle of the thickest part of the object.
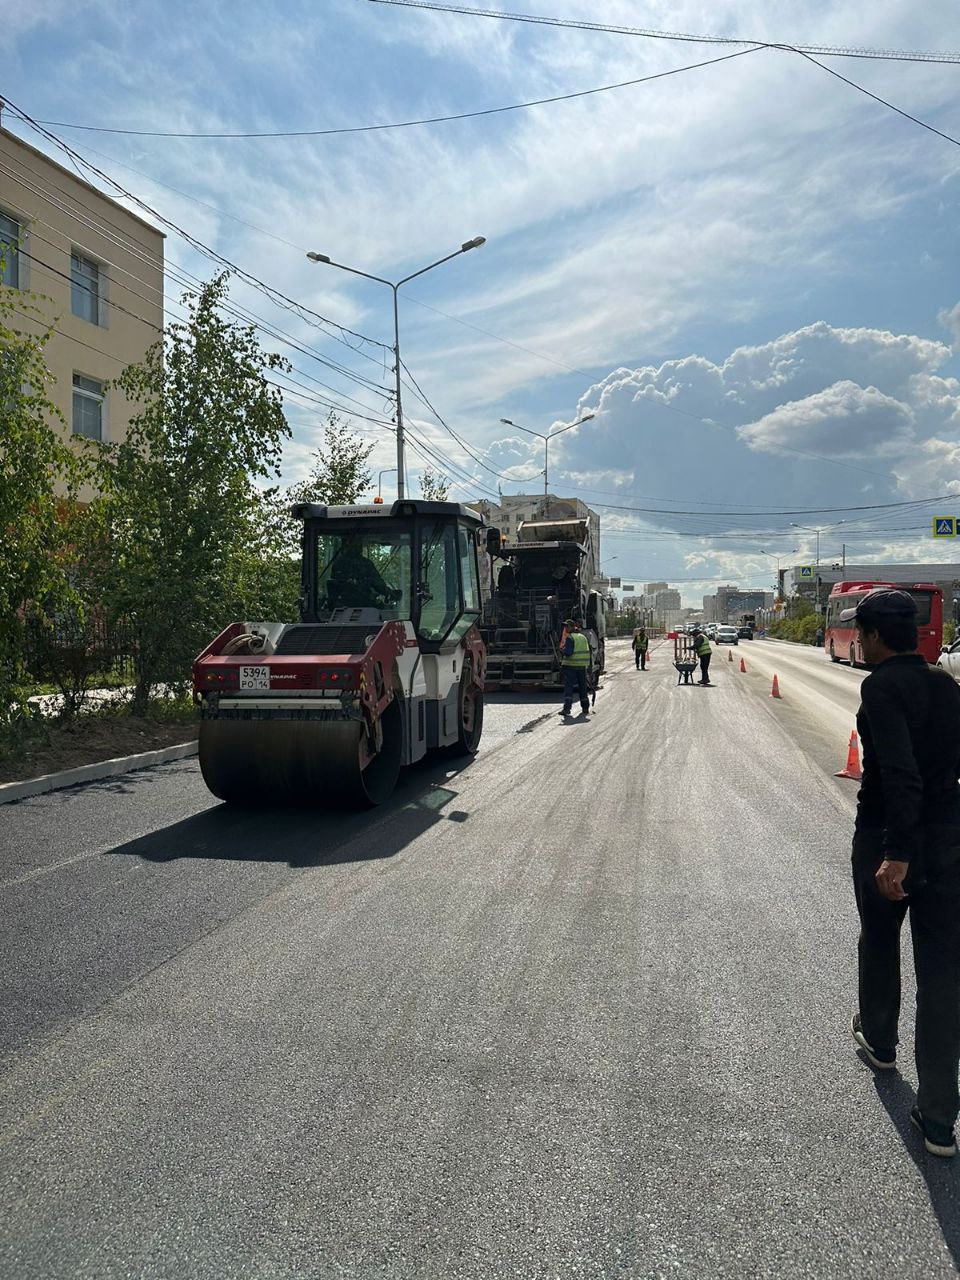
(950, 659)
(727, 635)
(745, 633)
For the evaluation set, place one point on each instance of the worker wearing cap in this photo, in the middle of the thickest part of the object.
(703, 649)
(906, 854)
(575, 661)
(641, 643)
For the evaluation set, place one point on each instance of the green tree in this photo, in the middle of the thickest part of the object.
(179, 495)
(434, 486)
(68, 642)
(339, 474)
(39, 478)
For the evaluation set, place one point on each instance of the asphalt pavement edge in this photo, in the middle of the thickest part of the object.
(11, 791)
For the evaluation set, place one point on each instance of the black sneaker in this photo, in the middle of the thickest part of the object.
(882, 1059)
(937, 1138)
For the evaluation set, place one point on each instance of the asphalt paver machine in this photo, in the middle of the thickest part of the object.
(385, 664)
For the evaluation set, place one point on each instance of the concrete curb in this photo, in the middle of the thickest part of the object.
(10, 791)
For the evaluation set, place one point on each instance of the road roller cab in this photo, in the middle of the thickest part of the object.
(385, 663)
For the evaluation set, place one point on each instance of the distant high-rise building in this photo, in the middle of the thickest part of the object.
(667, 598)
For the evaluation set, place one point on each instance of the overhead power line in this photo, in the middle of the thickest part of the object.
(106, 229)
(913, 503)
(172, 307)
(274, 294)
(648, 33)
(804, 50)
(405, 124)
(876, 98)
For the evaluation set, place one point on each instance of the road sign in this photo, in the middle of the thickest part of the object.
(614, 582)
(806, 572)
(629, 586)
(944, 526)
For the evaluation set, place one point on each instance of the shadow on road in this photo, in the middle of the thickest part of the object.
(308, 837)
(941, 1176)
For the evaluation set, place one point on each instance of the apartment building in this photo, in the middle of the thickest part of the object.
(94, 269)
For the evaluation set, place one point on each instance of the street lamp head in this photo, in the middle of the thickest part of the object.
(586, 417)
(318, 257)
(475, 243)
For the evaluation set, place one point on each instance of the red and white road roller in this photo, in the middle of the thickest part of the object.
(385, 664)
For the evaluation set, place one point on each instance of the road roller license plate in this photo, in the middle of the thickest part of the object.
(254, 678)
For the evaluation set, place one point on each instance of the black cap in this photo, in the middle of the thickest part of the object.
(882, 602)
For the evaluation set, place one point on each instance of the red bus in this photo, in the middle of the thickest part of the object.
(840, 638)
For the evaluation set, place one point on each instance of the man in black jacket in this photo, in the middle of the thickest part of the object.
(906, 853)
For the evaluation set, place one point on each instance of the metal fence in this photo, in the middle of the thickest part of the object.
(68, 652)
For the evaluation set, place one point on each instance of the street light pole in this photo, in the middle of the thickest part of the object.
(385, 472)
(546, 446)
(475, 243)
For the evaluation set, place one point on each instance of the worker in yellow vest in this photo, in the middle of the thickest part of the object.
(575, 661)
(641, 644)
(703, 649)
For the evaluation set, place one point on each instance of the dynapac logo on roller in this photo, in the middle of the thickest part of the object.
(358, 511)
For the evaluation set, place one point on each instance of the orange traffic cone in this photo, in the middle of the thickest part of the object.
(743, 665)
(775, 691)
(852, 768)
(729, 655)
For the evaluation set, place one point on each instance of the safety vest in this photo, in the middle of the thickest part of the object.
(703, 647)
(641, 643)
(581, 651)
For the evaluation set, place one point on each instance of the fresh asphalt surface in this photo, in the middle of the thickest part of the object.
(577, 1009)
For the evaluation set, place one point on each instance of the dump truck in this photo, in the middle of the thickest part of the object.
(536, 583)
(385, 663)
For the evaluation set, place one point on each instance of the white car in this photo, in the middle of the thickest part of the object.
(727, 635)
(950, 659)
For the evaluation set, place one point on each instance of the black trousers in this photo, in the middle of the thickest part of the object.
(575, 682)
(705, 668)
(934, 907)
(641, 657)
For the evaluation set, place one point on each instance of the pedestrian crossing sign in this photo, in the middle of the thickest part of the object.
(806, 572)
(944, 526)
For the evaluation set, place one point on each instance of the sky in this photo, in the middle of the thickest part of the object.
(746, 272)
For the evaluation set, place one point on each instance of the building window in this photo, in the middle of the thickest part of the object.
(85, 291)
(87, 407)
(9, 239)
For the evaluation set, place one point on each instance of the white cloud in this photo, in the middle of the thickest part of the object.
(844, 420)
(949, 317)
(840, 393)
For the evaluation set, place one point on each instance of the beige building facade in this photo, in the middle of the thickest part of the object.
(94, 269)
